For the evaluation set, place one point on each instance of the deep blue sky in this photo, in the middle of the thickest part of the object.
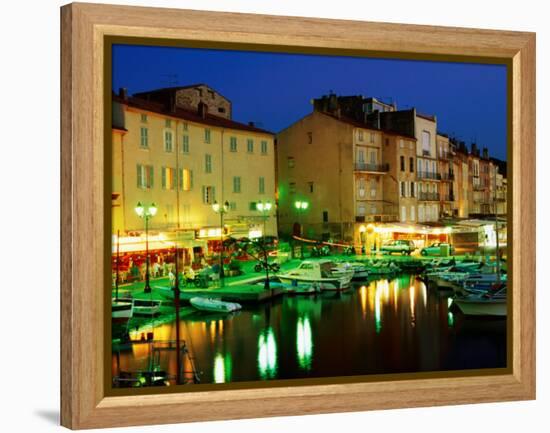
(275, 90)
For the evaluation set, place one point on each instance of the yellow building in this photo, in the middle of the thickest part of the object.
(448, 185)
(349, 174)
(427, 168)
(184, 161)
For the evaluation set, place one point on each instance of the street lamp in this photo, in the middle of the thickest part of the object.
(221, 210)
(264, 209)
(146, 213)
(301, 206)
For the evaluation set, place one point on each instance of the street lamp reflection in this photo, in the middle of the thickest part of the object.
(304, 343)
(267, 354)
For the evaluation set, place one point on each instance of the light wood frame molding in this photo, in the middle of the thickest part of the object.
(83, 400)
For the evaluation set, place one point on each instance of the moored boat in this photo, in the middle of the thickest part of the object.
(145, 307)
(121, 310)
(214, 305)
(490, 303)
(323, 274)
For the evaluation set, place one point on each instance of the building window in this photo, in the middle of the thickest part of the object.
(403, 214)
(185, 145)
(252, 206)
(237, 184)
(144, 118)
(401, 143)
(208, 163)
(232, 205)
(208, 194)
(413, 216)
(264, 147)
(373, 188)
(413, 189)
(361, 188)
(144, 176)
(360, 135)
(372, 137)
(292, 187)
(310, 137)
(185, 179)
(426, 142)
(233, 144)
(325, 216)
(411, 165)
(144, 142)
(261, 185)
(168, 144)
(168, 123)
(402, 188)
(250, 145)
(402, 162)
(168, 178)
(207, 135)
(185, 126)
(310, 186)
(290, 162)
(361, 209)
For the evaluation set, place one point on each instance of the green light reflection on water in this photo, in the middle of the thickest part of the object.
(304, 342)
(267, 354)
(222, 368)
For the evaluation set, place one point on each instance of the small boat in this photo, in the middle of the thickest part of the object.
(122, 309)
(383, 268)
(146, 308)
(292, 288)
(360, 271)
(321, 273)
(214, 305)
(490, 303)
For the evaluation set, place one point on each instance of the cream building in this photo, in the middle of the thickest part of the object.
(427, 168)
(184, 161)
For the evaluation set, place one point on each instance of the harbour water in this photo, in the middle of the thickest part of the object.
(376, 327)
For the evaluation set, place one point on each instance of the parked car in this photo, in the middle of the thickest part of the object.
(398, 246)
(435, 249)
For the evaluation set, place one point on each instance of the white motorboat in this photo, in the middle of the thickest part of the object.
(360, 271)
(490, 303)
(145, 307)
(214, 305)
(122, 309)
(325, 274)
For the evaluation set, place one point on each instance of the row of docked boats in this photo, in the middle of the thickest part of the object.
(479, 289)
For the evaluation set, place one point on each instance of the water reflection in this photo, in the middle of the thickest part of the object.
(377, 327)
(304, 342)
(267, 354)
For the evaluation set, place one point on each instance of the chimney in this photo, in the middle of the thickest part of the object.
(475, 150)
(202, 109)
(123, 93)
(485, 153)
(251, 124)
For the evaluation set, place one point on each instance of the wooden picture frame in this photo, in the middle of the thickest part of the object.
(84, 403)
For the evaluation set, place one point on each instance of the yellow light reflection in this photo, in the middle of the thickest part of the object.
(363, 296)
(412, 295)
(395, 293)
(424, 293)
(219, 369)
(377, 313)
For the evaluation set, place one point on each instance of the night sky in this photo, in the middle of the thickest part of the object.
(274, 90)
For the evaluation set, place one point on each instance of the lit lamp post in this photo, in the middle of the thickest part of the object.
(264, 209)
(222, 210)
(146, 213)
(301, 207)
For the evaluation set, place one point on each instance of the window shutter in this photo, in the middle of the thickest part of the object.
(190, 179)
(151, 176)
(139, 176)
(180, 178)
(204, 194)
(163, 172)
(213, 195)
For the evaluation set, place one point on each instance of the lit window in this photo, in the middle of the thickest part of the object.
(144, 176)
(208, 194)
(168, 178)
(185, 179)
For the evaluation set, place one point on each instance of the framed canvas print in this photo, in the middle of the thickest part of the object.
(270, 216)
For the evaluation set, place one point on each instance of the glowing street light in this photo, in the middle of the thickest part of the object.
(146, 212)
(216, 207)
(265, 208)
(301, 206)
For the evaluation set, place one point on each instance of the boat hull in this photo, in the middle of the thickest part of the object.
(477, 307)
(325, 284)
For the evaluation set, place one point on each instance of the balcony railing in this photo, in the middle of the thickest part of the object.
(426, 152)
(428, 175)
(448, 176)
(376, 218)
(428, 196)
(374, 168)
(479, 187)
(445, 155)
(447, 197)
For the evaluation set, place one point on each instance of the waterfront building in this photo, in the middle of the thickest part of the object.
(449, 183)
(183, 161)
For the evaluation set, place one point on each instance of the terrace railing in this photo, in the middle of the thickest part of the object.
(373, 168)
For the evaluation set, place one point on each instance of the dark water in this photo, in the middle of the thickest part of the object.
(378, 327)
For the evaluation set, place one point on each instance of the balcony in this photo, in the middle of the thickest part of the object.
(428, 196)
(479, 187)
(447, 197)
(376, 218)
(449, 177)
(372, 168)
(375, 211)
(446, 155)
(426, 153)
(428, 175)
